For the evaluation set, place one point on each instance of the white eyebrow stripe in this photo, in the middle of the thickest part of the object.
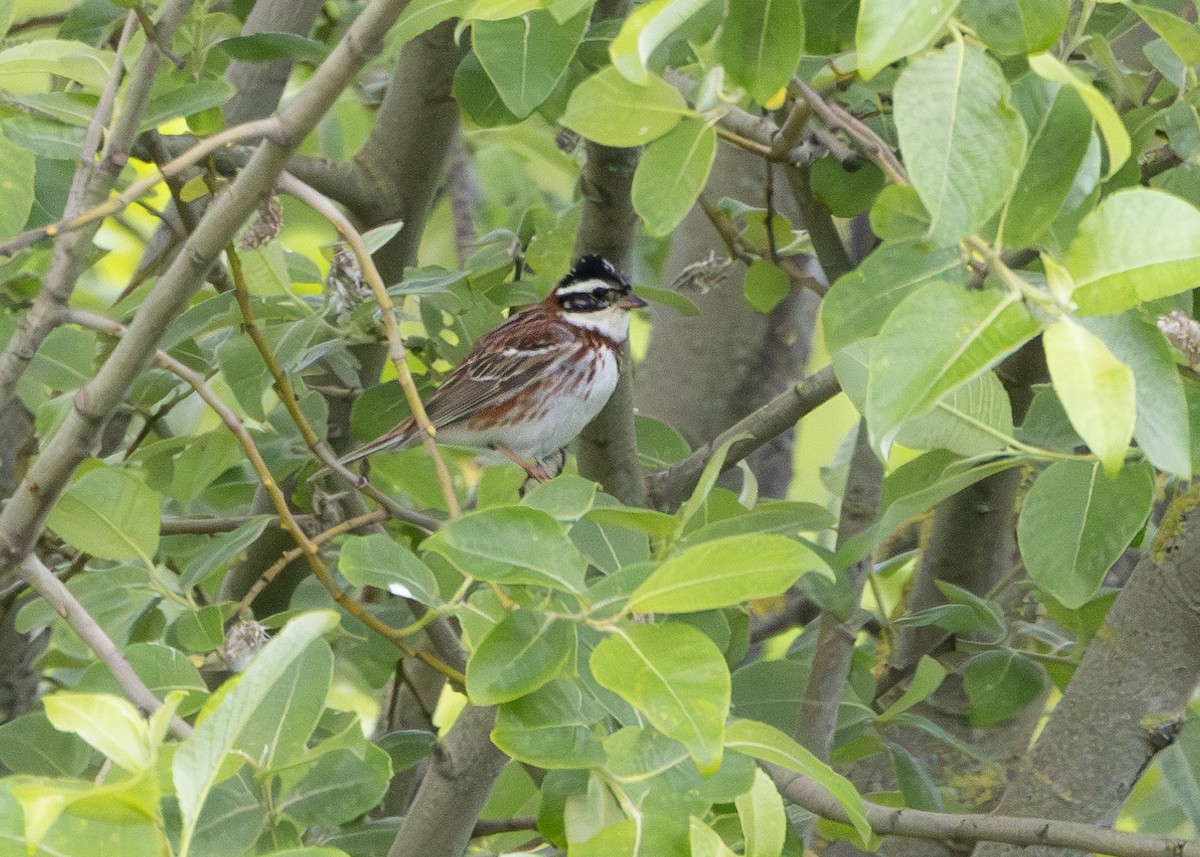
(585, 287)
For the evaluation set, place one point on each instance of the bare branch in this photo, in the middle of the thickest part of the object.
(23, 518)
(669, 487)
(967, 828)
(68, 607)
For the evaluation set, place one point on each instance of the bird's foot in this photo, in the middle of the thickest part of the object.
(533, 469)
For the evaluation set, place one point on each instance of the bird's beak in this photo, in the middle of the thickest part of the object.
(631, 301)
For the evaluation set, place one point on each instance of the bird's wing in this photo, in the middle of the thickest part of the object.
(500, 365)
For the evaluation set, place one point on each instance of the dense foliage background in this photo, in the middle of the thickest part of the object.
(242, 237)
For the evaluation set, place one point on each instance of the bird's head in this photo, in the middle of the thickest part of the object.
(595, 295)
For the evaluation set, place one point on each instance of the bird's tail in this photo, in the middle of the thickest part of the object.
(397, 438)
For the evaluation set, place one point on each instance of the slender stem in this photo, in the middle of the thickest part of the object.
(65, 604)
(309, 548)
(669, 487)
(267, 576)
(323, 206)
(251, 130)
(977, 827)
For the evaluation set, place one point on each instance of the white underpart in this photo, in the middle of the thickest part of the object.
(540, 440)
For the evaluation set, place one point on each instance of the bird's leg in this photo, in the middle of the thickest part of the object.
(532, 468)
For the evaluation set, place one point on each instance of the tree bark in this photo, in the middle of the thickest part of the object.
(704, 373)
(1128, 695)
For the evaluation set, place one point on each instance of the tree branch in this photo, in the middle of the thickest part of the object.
(23, 518)
(607, 449)
(838, 627)
(668, 488)
(442, 818)
(90, 186)
(1014, 830)
(68, 607)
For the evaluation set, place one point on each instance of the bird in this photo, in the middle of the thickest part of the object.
(529, 386)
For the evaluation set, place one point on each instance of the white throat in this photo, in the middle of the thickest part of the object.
(612, 322)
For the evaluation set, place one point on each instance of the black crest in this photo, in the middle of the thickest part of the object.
(594, 268)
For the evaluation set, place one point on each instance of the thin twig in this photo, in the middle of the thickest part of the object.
(205, 147)
(978, 827)
(668, 487)
(209, 526)
(322, 205)
(309, 549)
(865, 140)
(37, 575)
(267, 576)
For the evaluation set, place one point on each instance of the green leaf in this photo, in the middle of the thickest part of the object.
(964, 614)
(29, 744)
(266, 710)
(519, 655)
(1180, 35)
(761, 43)
(191, 98)
(1076, 522)
(378, 560)
(1161, 427)
(724, 572)
(511, 544)
(406, 747)
(1061, 126)
(161, 668)
(232, 819)
(941, 336)
(671, 174)
(1017, 26)
(64, 359)
(970, 420)
(21, 64)
(899, 215)
(221, 551)
(1112, 129)
(1000, 684)
(551, 728)
(772, 516)
(567, 498)
(109, 723)
(339, 785)
(270, 46)
(765, 285)
(891, 29)
(16, 183)
(496, 10)
(676, 677)
(646, 27)
(764, 823)
(526, 57)
(916, 785)
(205, 458)
(109, 513)
(760, 741)
(859, 302)
(421, 15)
(916, 486)
(708, 479)
(1095, 388)
(612, 111)
(1138, 245)
(703, 841)
(375, 239)
(962, 140)
(198, 630)
(926, 679)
